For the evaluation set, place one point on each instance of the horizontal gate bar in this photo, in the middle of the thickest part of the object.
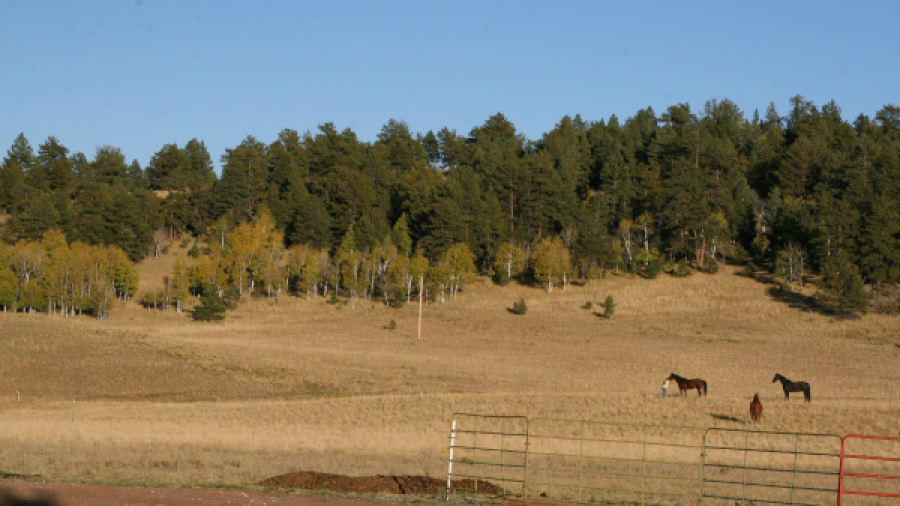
(495, 464)
(604, 473)
(615, 489)
(614, 424)
(476, 415)
(770, 485)
(799, 471)
(486, 478)
(621, 459)
(479, 432)
(485, 449)
(622, 441)
(867, 457)
(757, 500)
(876, 476)
(860, 492)
(764, 450)
(766, 432)
(617, 459)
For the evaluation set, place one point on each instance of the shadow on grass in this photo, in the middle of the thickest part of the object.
(7, 498)
(797, 300)
(778, 292)
(726, 418)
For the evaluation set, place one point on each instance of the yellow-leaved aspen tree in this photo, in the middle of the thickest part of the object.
(418, 270)
(349, 262)
(551, 262)
(509, 259)
(460, 264)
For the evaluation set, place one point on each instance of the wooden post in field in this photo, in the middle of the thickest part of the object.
(421, 289)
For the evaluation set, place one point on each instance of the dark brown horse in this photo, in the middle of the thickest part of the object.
(792, 386)
(755, 409)
(685, 384)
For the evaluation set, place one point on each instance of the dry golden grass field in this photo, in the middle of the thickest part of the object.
(303, 385)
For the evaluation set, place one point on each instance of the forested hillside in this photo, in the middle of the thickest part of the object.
(801, 194)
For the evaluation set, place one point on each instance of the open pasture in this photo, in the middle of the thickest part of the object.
(303, 385)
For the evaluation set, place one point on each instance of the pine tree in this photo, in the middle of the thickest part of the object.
(212, 307)
(842, 287)
(400, 236)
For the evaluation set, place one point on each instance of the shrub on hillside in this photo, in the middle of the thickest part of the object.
(519, 307)
(748, 270)
(652, 268)
(397, 299)
(739, 255)
(681, 270)
(501, 278)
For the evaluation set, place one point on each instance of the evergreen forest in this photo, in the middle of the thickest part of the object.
(804, 196)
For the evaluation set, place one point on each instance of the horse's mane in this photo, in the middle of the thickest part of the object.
(676, 377)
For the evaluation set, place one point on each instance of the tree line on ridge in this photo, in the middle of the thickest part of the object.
(806, 194)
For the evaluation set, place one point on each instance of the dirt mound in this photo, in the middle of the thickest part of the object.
(418, 485)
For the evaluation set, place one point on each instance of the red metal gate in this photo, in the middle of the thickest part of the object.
(873, 469)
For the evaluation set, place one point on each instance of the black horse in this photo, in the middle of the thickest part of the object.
(792, 386)
(685, 384)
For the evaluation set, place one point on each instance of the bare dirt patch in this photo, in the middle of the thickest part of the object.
(406, 485)
(23, 493)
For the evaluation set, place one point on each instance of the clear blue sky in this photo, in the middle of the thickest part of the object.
(141, 74)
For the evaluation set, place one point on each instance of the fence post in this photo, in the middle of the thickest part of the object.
(452, 442)
(744, 474)
(794, 472)
(527, 449)
(475, 449)
(841, 474)
(643, 459)
(502, 466)
(581, 461)
(702, 465)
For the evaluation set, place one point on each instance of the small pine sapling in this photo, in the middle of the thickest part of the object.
(609, 307)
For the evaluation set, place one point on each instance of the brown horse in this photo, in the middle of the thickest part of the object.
(685, 384)
(755, 409)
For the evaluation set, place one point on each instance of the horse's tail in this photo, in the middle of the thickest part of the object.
(704, 387)
(807, 394)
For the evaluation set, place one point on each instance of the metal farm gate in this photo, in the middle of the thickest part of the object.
(577, 460)
(761, 467)
(866, 474)
(485, 448)
(589, 461)
(584, 461)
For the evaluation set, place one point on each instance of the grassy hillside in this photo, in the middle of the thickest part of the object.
(306, 385)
